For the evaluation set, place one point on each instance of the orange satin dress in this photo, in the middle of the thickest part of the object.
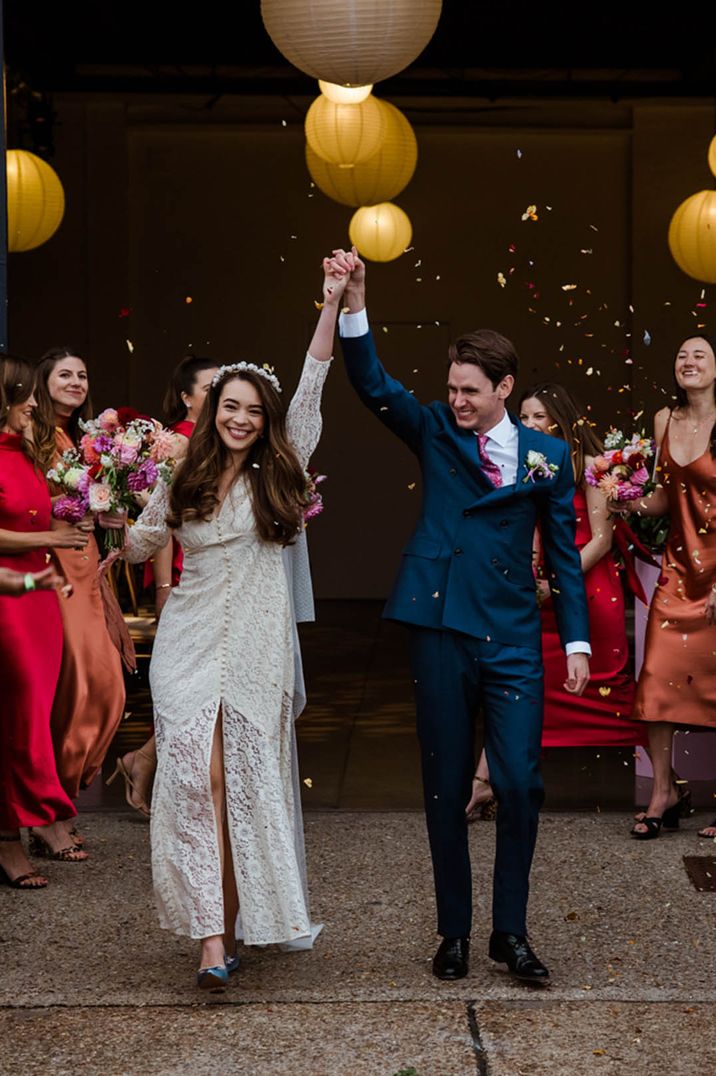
(678, 677)
(90, 696)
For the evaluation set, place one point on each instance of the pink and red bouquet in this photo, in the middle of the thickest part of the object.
(621, 472)
(119, 455)
(315, 500)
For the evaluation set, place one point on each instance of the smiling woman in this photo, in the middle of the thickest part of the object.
(89, 701)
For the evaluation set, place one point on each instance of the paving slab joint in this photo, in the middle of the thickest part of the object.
(478, 1048)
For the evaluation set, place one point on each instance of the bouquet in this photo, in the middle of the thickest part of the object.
(119, 455)
(621, 471)
(315, 500)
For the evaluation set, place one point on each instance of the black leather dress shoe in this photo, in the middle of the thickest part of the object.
(451, 959)
(514, 950)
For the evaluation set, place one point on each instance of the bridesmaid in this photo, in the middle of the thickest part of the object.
(90, 693)
(600, 717)
(30, 641)
(677, 685)
(185, 397)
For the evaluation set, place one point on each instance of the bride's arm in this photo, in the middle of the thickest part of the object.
(150, 533)
(303, 420)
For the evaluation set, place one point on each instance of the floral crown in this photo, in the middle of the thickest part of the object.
(238, 367)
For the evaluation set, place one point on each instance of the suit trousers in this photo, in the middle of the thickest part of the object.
(455, 674)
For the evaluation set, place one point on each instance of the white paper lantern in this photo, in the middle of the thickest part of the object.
(381, 232)
(351, 42)
(345, 134)
(344, 95)
(379, 179)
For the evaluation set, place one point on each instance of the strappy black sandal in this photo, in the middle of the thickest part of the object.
(669, 821)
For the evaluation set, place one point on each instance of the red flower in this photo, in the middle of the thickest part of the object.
(617, 457)
(127, 414)
(95, 470)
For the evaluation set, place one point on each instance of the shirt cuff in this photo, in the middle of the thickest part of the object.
(353, 324)
(578, 648)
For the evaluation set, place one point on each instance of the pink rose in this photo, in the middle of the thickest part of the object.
(108, 420)
(640, 476)
(601, 463)
(100, 497)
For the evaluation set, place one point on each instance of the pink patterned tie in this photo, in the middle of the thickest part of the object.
(490, 469)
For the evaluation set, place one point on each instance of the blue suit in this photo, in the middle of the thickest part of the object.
(466, 587)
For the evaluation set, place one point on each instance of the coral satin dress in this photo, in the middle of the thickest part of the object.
(678, 677)
(600, 717)
(90, 697)
(30, 655)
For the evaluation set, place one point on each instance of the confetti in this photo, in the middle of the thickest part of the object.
(647, 337)
(411, 485)
(530, 213)
(188, 299)
(308, 782)
(568, 287)
(605, 691)
(130, 347)
(519, 154)
(501, 279)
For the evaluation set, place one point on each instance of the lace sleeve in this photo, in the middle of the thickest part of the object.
(150, 533)
(303, 421)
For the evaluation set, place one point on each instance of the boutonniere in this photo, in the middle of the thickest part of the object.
(538, 466)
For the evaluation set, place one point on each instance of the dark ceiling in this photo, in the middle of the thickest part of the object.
(506, 47)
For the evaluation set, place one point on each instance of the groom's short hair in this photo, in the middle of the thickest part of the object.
(493, 353)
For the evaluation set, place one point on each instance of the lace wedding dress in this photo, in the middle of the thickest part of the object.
(227, 643)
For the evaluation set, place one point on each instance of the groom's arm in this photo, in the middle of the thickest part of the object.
(566, 579)
(382, 394)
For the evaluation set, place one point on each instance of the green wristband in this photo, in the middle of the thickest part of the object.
(30, 582)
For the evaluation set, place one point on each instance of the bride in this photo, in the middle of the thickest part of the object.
(226, 825)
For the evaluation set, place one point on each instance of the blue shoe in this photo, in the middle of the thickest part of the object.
(232, 963)
(212, 978)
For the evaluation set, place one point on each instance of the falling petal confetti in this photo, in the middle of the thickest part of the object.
(501, 279)
(605, 691)
(647, 337)
(530, 213)
(568, 287)
(130, 346)
(308, 782)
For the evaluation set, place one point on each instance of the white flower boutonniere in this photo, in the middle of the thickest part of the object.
(538, 466)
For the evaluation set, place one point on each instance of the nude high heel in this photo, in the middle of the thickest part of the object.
(129, 787)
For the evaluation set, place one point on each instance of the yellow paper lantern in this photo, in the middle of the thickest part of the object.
(381, 232)
(692, 236)
(344, 95)
(35, 201)
(350, 42)
(345, 134)
(382, 177)
(712, 156)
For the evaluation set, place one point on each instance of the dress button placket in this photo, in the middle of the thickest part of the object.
(227, 596)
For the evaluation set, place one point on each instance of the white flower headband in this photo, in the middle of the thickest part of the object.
(238, 367)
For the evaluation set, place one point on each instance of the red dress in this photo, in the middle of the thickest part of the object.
(600, 717)
(186, 429)
(30, 656)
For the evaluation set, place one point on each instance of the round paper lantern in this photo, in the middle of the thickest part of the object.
(692, 236)
(712, 156)
(344, 95)
(381, 232)
(350, 42)
(35, 201)
(382, 177)
(345, 134)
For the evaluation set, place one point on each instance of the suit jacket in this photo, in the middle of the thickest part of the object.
(468, 564)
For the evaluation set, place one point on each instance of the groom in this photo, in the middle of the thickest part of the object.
(467, 591)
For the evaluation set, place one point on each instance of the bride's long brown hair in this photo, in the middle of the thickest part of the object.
(275, 477)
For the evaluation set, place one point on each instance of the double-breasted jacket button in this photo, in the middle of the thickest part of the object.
(458, 552)
(453, 471)
(495, 561)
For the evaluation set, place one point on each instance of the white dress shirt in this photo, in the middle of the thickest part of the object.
(502, 445)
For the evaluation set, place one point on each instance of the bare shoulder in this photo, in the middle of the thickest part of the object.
(661, 418)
